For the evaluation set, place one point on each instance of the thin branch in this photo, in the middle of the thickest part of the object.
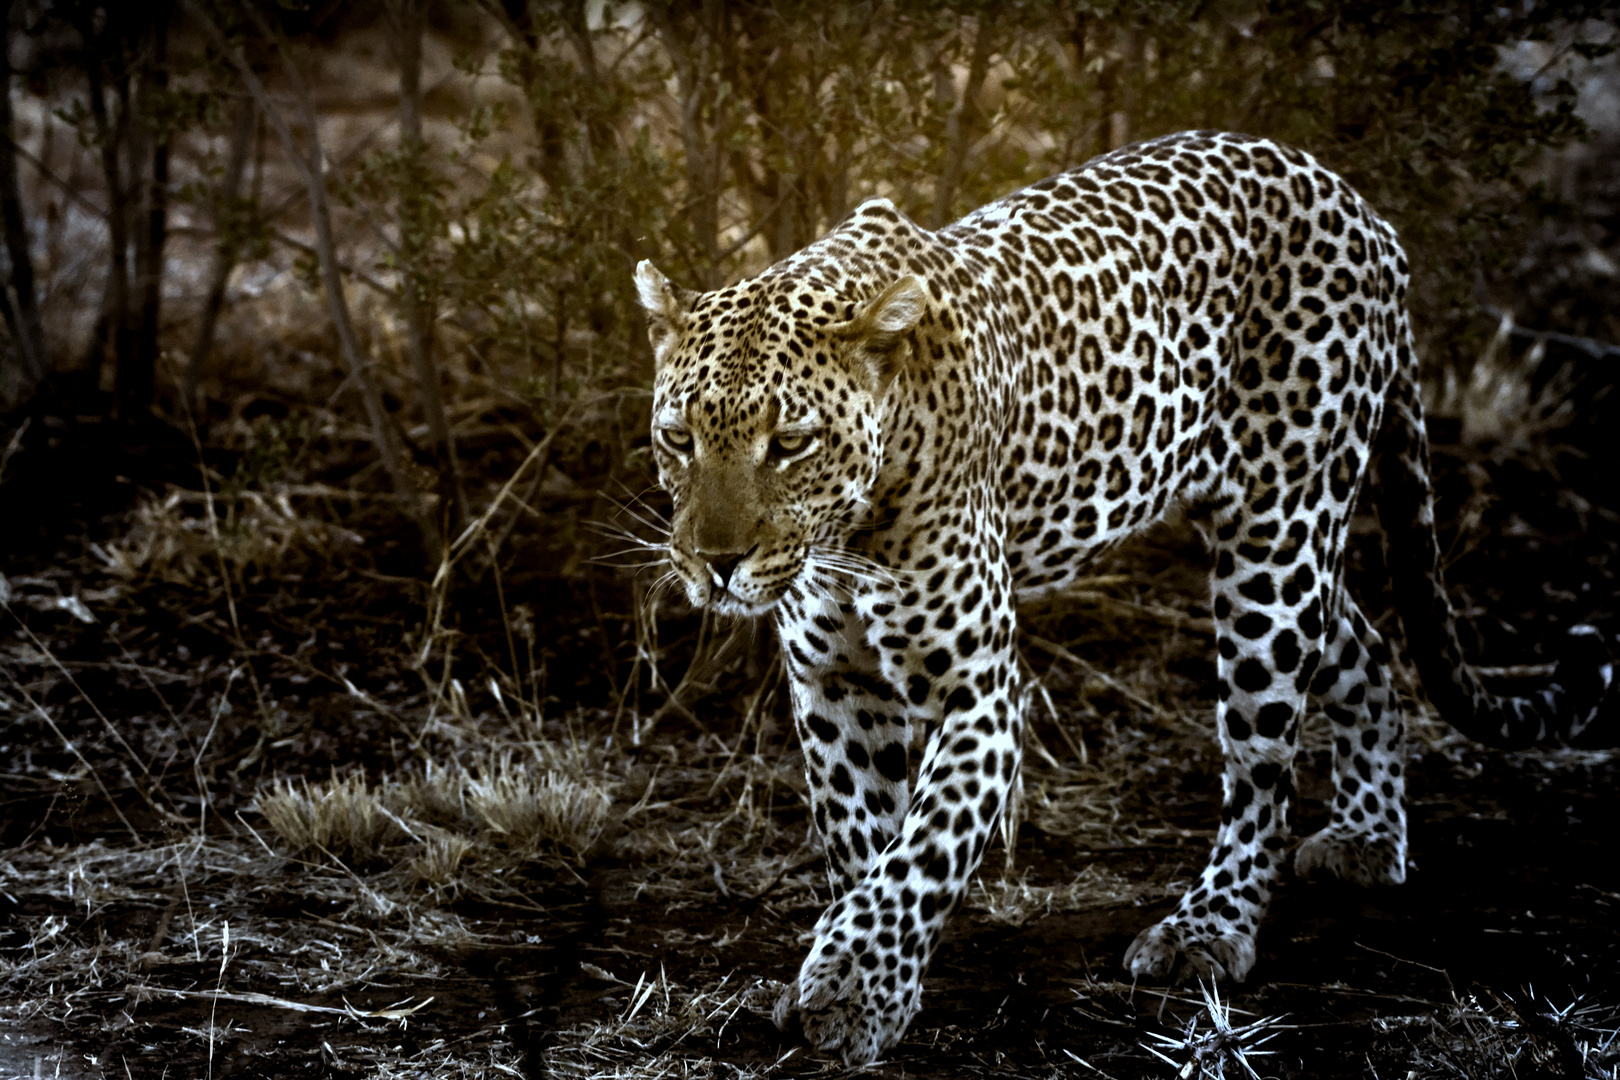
(28, 699)
(406, 19)
(1598, 350)
(44, 171)
(964, 118)
(759, 226)
(355, 272)
(335, 166)
(21, 301)
(309, 165)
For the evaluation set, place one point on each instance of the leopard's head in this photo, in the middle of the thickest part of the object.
(767, 425)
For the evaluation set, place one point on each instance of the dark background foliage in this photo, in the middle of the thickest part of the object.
(480, 239)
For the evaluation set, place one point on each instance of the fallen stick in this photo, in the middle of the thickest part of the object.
(393, 1012)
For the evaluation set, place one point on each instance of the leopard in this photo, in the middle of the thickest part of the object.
(888, 442)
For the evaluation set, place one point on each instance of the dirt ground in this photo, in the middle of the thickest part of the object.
(160, 920)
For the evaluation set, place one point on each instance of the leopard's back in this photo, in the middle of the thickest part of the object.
(1201, 316)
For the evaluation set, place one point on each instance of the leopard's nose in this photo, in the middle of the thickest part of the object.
(724, 564)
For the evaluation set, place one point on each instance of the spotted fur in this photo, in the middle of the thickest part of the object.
(890, 439)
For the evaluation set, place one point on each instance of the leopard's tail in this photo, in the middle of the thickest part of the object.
(1571, 708)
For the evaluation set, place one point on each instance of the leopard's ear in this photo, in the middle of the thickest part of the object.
(666, 308)
(881, 329)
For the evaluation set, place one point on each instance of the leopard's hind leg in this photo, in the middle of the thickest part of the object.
(1365, 842)
(1268, 602)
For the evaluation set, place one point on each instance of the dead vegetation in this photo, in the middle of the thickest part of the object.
(519, 807)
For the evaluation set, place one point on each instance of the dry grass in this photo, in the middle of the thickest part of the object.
(646, 1039)
(526, 811)
(436, 817)
(171, 538)
(344, 817)
(439, 864)
(1516, 1036)
(1015, 901)
(1500, 407)
(698, 821)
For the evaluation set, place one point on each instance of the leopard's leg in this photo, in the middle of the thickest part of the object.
(854, 731)
(1366, 840)
(1269, 627)
(954, 664)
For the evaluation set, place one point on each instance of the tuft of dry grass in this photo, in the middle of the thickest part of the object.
(171, 538)
(526, 811)
(1499, 403)
(434, 819)
(343, 816)
(439, 864)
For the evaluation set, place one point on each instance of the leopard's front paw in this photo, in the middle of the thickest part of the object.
(856, 993)
(1354, 855)
(1174, 950)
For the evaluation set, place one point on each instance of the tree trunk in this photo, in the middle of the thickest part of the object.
(1122, 121)
(225, 253)
(964, 122)
(1087, 142)
(112, 324)
(701, 144)
(17, 385)
(137, 371)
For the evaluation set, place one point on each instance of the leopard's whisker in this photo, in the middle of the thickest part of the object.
(630, 545)
(624, 536)
(661, 550)
(634, 502)
(619, 532)
(656, 592)
(642, 513)
(654, 549)
(859, 569)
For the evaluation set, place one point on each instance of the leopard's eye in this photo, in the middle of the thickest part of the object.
(791, 444)
(678, 440)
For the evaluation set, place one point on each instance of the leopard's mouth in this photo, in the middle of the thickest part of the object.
(728, 603)
(705, 590)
